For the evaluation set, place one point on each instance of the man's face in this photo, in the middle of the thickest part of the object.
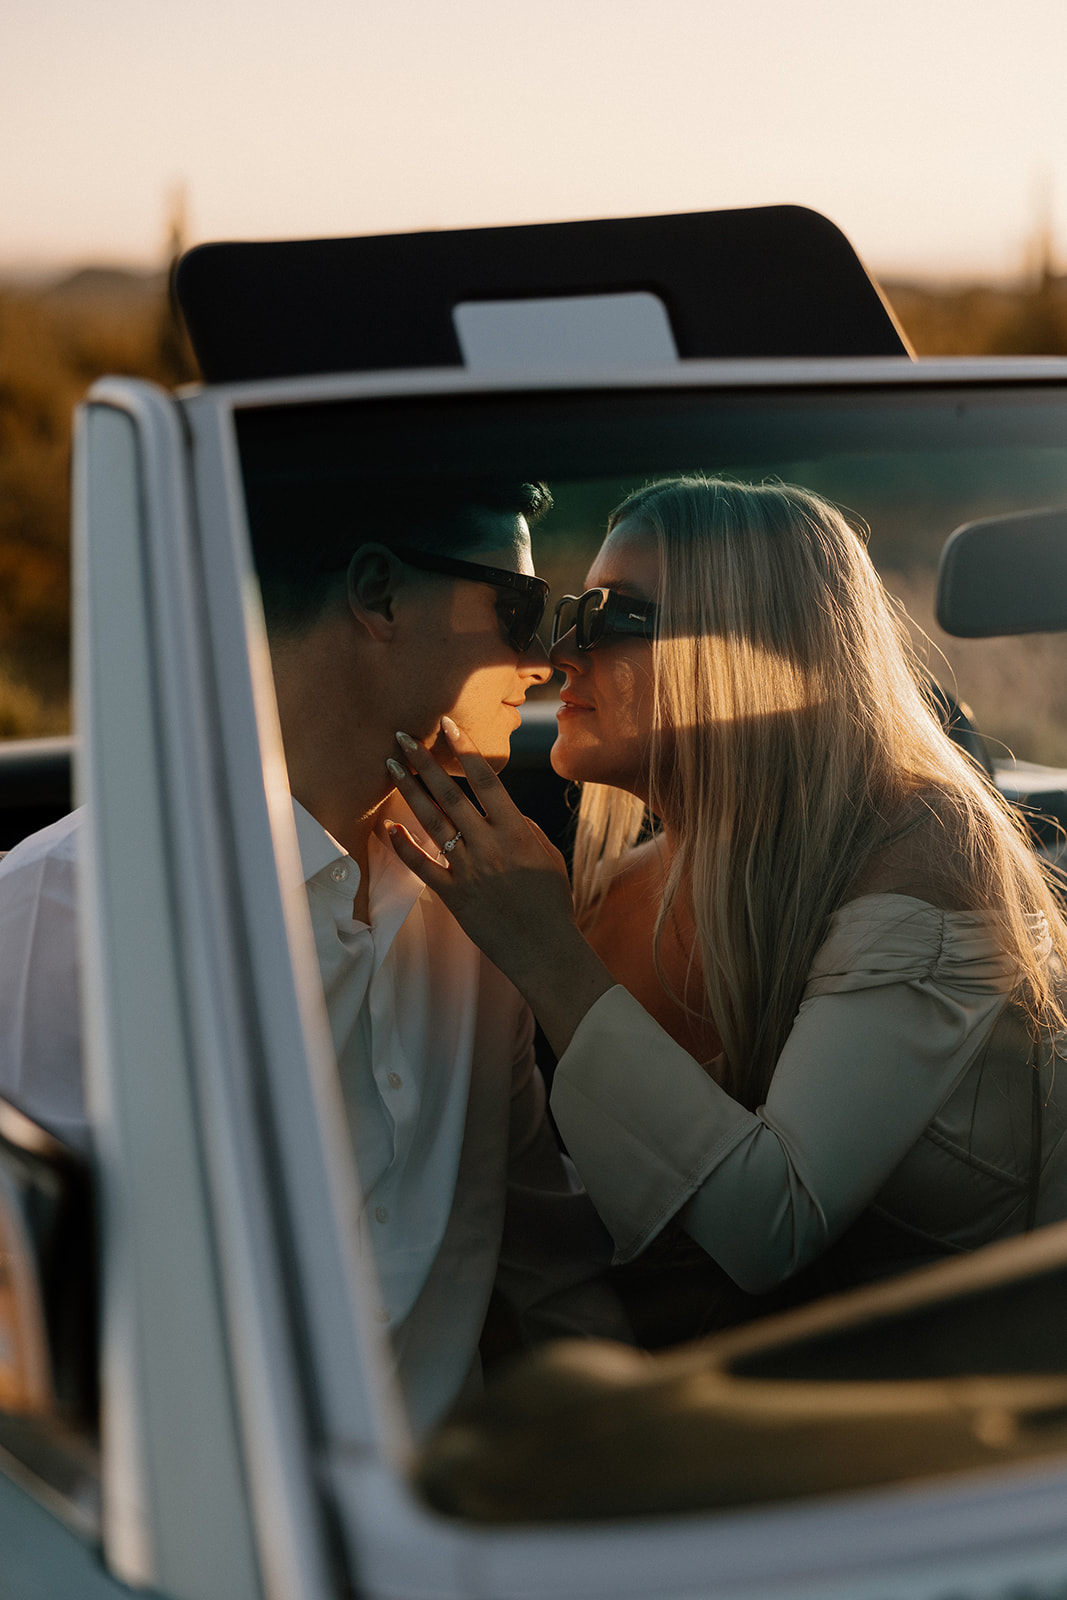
(458, 660)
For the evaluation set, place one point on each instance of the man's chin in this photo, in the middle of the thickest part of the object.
(497, 760)
(441, 751)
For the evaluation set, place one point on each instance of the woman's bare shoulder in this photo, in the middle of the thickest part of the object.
(634, 893)
(639, 876)
(647, 860)
(919, 864)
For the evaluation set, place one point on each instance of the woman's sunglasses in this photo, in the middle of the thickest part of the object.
(522, 600)
(599, 613)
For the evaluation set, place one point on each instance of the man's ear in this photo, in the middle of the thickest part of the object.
(374, 576)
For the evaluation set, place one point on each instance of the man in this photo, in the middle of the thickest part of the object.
(421, 605)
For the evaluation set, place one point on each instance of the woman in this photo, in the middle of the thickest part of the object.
(838, 896)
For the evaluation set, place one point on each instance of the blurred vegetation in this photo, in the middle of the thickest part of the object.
(982, 319)
(53, 344)
(55, 340)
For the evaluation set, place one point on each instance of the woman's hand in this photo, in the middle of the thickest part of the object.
(504, 882)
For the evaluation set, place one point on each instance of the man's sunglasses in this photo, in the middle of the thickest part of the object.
(599, 613)
(523, 598)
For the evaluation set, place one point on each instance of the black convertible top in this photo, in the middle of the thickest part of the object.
(769, 281)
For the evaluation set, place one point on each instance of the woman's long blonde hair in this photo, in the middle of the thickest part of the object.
(793, 740)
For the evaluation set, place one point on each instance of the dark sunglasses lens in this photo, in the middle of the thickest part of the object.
(592, 611)
(565, 618)
(521, 615)
(531, 610)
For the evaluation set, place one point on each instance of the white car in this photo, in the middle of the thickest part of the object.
(244, 1440)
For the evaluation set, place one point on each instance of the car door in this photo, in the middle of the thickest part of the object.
(207, 1439)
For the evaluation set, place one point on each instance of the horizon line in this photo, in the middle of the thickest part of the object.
(40, 273)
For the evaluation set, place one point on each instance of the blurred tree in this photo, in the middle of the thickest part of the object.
(1029, 319)
(54, 343)
(176, 360)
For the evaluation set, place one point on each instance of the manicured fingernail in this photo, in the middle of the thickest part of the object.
(449, 727)
(406, 742)
(396, 770)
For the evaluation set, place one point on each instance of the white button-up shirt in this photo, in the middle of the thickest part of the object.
(461, 1179)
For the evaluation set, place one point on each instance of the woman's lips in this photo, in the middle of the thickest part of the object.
(571, 706)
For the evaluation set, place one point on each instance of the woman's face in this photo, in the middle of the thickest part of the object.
(605, 721)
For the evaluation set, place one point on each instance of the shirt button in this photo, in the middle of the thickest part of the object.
(338, 872)
(381, 1213)
(394, 1080)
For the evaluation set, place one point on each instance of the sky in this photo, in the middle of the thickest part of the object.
(934, 132)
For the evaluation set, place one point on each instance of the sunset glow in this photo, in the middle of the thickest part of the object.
(933, 131)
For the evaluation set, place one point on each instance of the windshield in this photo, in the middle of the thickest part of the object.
(907, 466)
(910, 465)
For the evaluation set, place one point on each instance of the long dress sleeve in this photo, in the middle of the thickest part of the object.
(901, 1000)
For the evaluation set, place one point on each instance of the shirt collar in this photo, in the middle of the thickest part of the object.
(319, 849)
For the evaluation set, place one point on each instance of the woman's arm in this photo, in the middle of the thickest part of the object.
(869, 1061)
(865, 1070)
(504, 883)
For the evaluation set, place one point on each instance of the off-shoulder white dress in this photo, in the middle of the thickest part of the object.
(905, 1094)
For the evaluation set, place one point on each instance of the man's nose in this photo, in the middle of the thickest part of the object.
(534, 663)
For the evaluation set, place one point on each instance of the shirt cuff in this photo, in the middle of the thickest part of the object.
(643, 1121)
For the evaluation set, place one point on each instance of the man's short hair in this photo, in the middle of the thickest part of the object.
(302, 544)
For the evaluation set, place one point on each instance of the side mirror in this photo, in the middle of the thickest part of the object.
(1005, 575)
(48, 1334)
(49, 1386)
